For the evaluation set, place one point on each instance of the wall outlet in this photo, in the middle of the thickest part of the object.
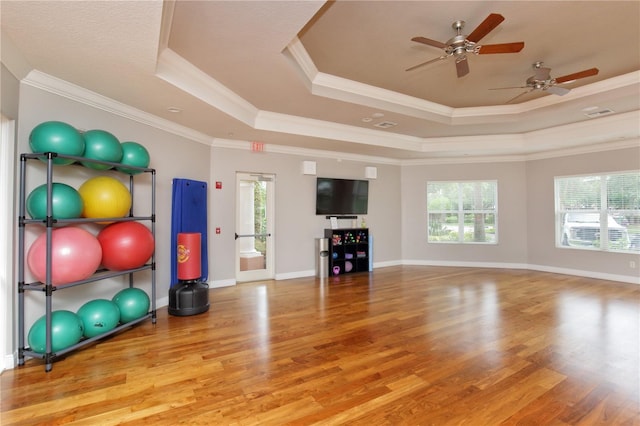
(632, 264)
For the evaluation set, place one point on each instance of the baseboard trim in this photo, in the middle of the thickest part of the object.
(541, 268)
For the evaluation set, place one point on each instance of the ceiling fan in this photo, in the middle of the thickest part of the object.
(542, 80)
(461, 44)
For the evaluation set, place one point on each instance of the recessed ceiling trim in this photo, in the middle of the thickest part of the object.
(608, 128)
(84, 96)
(343, 89)
(306, 152)
(168, 8)
(301, 58)
(277, 122)
(177, 71)
(564, 139)
(465, 143)
(570, 135)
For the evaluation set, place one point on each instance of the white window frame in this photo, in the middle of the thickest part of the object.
(604, 211)
(460, 211)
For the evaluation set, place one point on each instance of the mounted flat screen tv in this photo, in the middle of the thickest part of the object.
(341, 196)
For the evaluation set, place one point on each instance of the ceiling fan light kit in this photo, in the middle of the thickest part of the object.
(459, 45)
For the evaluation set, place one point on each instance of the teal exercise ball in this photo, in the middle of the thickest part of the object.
(66, 330)
(132, 302)
(99, 316)
(59, 137)
(101, 145)
(133, 154)
(66, 202)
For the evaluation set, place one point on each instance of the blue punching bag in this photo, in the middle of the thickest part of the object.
(189, 214)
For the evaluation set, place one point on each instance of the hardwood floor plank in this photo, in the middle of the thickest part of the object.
(403, 345)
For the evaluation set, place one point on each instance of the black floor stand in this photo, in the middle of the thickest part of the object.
(189, 298)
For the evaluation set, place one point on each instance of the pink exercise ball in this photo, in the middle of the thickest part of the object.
(75, 255)
(125, 245)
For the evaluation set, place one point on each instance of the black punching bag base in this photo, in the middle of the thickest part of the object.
(188, 298)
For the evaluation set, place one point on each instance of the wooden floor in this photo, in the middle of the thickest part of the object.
(399, 346)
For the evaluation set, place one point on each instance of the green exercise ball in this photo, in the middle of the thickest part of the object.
(99, 316)
(59, 137)
(66, 202)
(101, 145)
(66, 330)
(132, 302)
(133, 154)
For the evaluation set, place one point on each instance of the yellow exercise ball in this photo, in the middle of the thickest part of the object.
(104, 197)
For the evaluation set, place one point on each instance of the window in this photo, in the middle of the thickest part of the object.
(462, 212)
(599, 212)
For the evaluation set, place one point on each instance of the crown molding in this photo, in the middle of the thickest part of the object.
(305, 152)
(177, 71)
(622, 131)
(343, 89)
(76, 93)
(182, 74)
(79, 94)
(582, 137)
(590, 149)
(284, 123)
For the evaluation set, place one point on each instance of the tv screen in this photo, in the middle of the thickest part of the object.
(341, 196)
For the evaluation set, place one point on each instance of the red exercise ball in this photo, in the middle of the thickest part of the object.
(75, 255)
(125, 245)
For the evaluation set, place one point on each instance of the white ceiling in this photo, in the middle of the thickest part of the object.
(305, 74)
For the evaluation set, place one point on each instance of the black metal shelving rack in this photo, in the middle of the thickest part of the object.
(47, 287)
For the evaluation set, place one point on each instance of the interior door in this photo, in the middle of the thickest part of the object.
(254, 226)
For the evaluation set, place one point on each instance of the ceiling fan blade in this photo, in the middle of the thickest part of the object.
(560, 91)
(492, 21)
(521, 94)
(426, 63)
(462, 67)
(429, 42)
(501, 48)
(577, 75)
(514, 87)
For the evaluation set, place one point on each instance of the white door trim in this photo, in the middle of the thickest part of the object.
(7, 230)
(268, 272)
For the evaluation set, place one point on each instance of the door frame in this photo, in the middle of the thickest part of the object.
(7, 226)
(268, 272)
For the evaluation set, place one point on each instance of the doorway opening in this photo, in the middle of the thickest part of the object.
(254, 226)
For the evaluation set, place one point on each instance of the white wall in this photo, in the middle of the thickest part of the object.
(541, 206)
(297, 225)
(397, 208)
(512, 215)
